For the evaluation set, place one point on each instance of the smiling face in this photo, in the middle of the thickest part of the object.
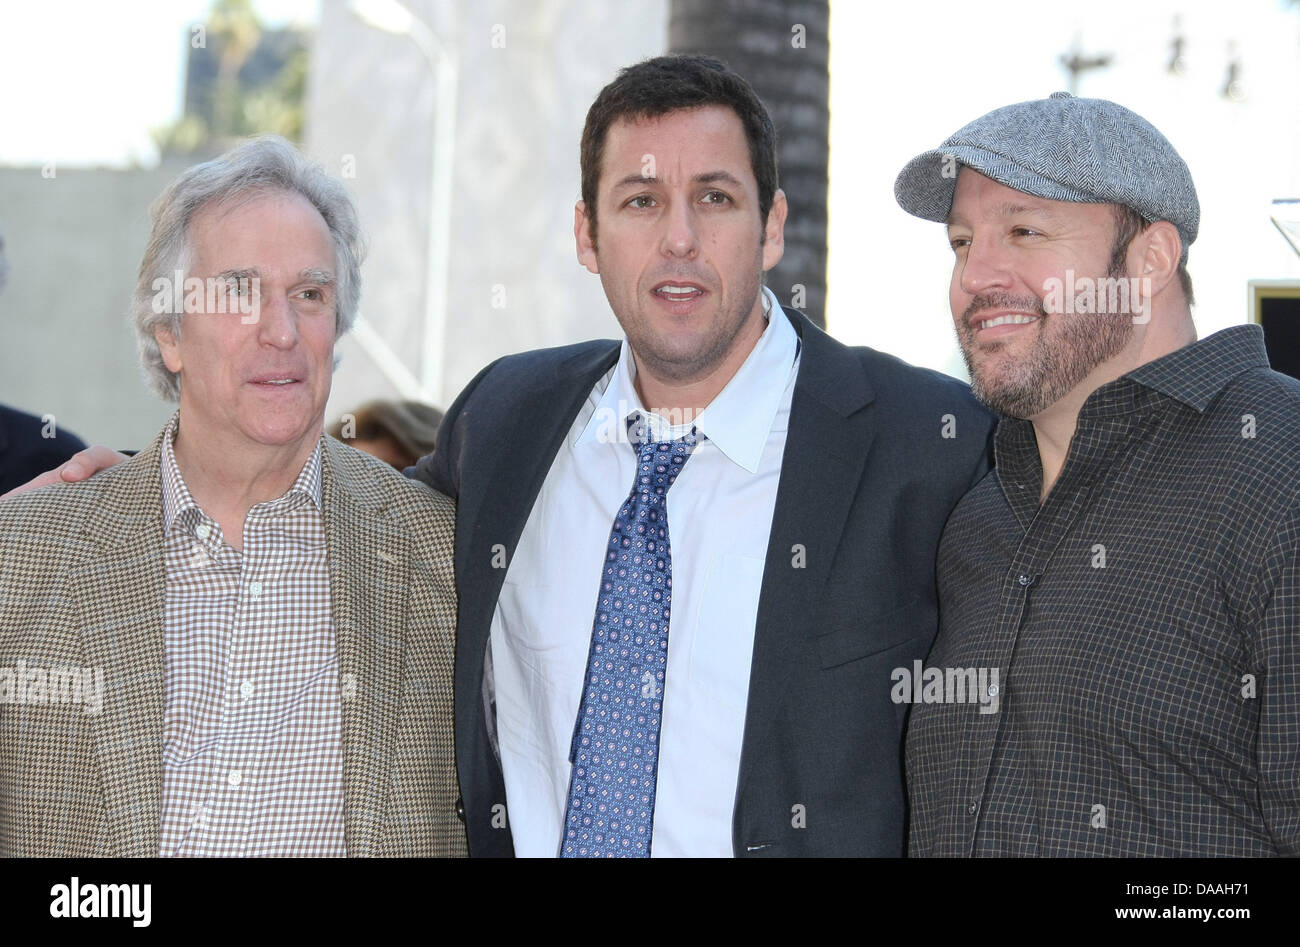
(682, 249)
(1008, 245)
(264, 384)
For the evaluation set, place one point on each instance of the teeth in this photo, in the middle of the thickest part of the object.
(1015, 320)
(278, 381)
(677, 290)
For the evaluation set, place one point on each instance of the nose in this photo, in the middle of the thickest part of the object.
(680, 238)
(983, 267)
(277, 323)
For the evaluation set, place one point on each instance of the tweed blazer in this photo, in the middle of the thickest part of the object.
(82, 585)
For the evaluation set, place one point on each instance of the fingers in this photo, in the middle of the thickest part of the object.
(45, 479)
(81, 466)
(86, 463)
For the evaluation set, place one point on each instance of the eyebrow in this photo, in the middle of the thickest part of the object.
(707, 177)
(316, 275)
(248, 272)
(310, 275)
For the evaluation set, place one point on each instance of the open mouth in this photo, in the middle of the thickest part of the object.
(678, 292)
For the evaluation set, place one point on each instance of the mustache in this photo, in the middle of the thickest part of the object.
(700, 279)
(1002, 301)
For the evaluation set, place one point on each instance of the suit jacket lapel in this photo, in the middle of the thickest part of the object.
(121, 588)
(826, 449)
(369, 563)
(499, 506)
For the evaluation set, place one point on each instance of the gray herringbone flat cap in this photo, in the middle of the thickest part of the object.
(1064, 149)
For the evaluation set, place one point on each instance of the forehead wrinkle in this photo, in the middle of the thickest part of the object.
(1005, 209)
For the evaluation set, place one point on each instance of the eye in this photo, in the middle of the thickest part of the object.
(641, 202)
(314, 295)
(716, 197)
(1025, 232)
(959, 243)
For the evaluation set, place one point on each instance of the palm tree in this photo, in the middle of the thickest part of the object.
(782, 47)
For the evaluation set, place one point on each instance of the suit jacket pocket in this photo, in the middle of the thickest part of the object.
(852, 639)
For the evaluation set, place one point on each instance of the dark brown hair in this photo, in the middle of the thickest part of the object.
(666, 84)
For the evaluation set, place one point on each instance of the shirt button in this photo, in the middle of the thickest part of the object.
(1024, 580)
(246, 688)
(993, 690)
(202, 530)
(255, 589)
(973, 808)
(234, 777)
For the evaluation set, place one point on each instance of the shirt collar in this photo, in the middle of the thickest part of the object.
(1195, 374)
(737, 421)
(177, 498)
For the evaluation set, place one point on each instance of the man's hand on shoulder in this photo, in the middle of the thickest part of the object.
(83, 465)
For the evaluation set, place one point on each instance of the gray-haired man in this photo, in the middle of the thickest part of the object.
(1126, 584)
(240, 641)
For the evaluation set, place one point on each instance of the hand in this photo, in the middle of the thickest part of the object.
(83, 465)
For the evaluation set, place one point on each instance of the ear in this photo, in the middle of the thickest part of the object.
(774, 231)
(582, 236)
(170, 348)
(1159, 248)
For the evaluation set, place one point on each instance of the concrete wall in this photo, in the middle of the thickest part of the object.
(74, 243)
(520, 110)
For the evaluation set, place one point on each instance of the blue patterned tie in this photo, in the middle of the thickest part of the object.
(615, 752)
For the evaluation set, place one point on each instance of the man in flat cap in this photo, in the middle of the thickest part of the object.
(1126, 584)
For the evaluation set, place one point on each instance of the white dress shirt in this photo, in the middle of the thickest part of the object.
(719, 517)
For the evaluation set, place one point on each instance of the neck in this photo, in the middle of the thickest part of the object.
(684, 399)
(226, 479)
(1054, 427)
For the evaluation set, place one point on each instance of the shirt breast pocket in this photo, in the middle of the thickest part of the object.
(723, 643)
(855, 638)
(532, 618)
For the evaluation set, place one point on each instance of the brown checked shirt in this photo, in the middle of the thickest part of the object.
(252, 751)
(1144, 622)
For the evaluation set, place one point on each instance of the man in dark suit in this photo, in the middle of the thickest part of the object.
(30, 445)
(813, 481)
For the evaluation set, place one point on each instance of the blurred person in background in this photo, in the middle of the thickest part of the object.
(397, 432)
(28, 444)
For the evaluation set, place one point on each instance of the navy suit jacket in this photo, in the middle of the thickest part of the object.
(877, 454)
(24, 453)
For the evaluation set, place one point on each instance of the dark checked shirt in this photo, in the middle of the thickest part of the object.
(1145, 622)
(252, 736)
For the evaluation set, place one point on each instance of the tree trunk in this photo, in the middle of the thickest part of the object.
(782, 48)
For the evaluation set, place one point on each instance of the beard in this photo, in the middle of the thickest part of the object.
(1057, 361)
(680, 361)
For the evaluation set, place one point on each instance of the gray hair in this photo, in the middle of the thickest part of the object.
(265, 164)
